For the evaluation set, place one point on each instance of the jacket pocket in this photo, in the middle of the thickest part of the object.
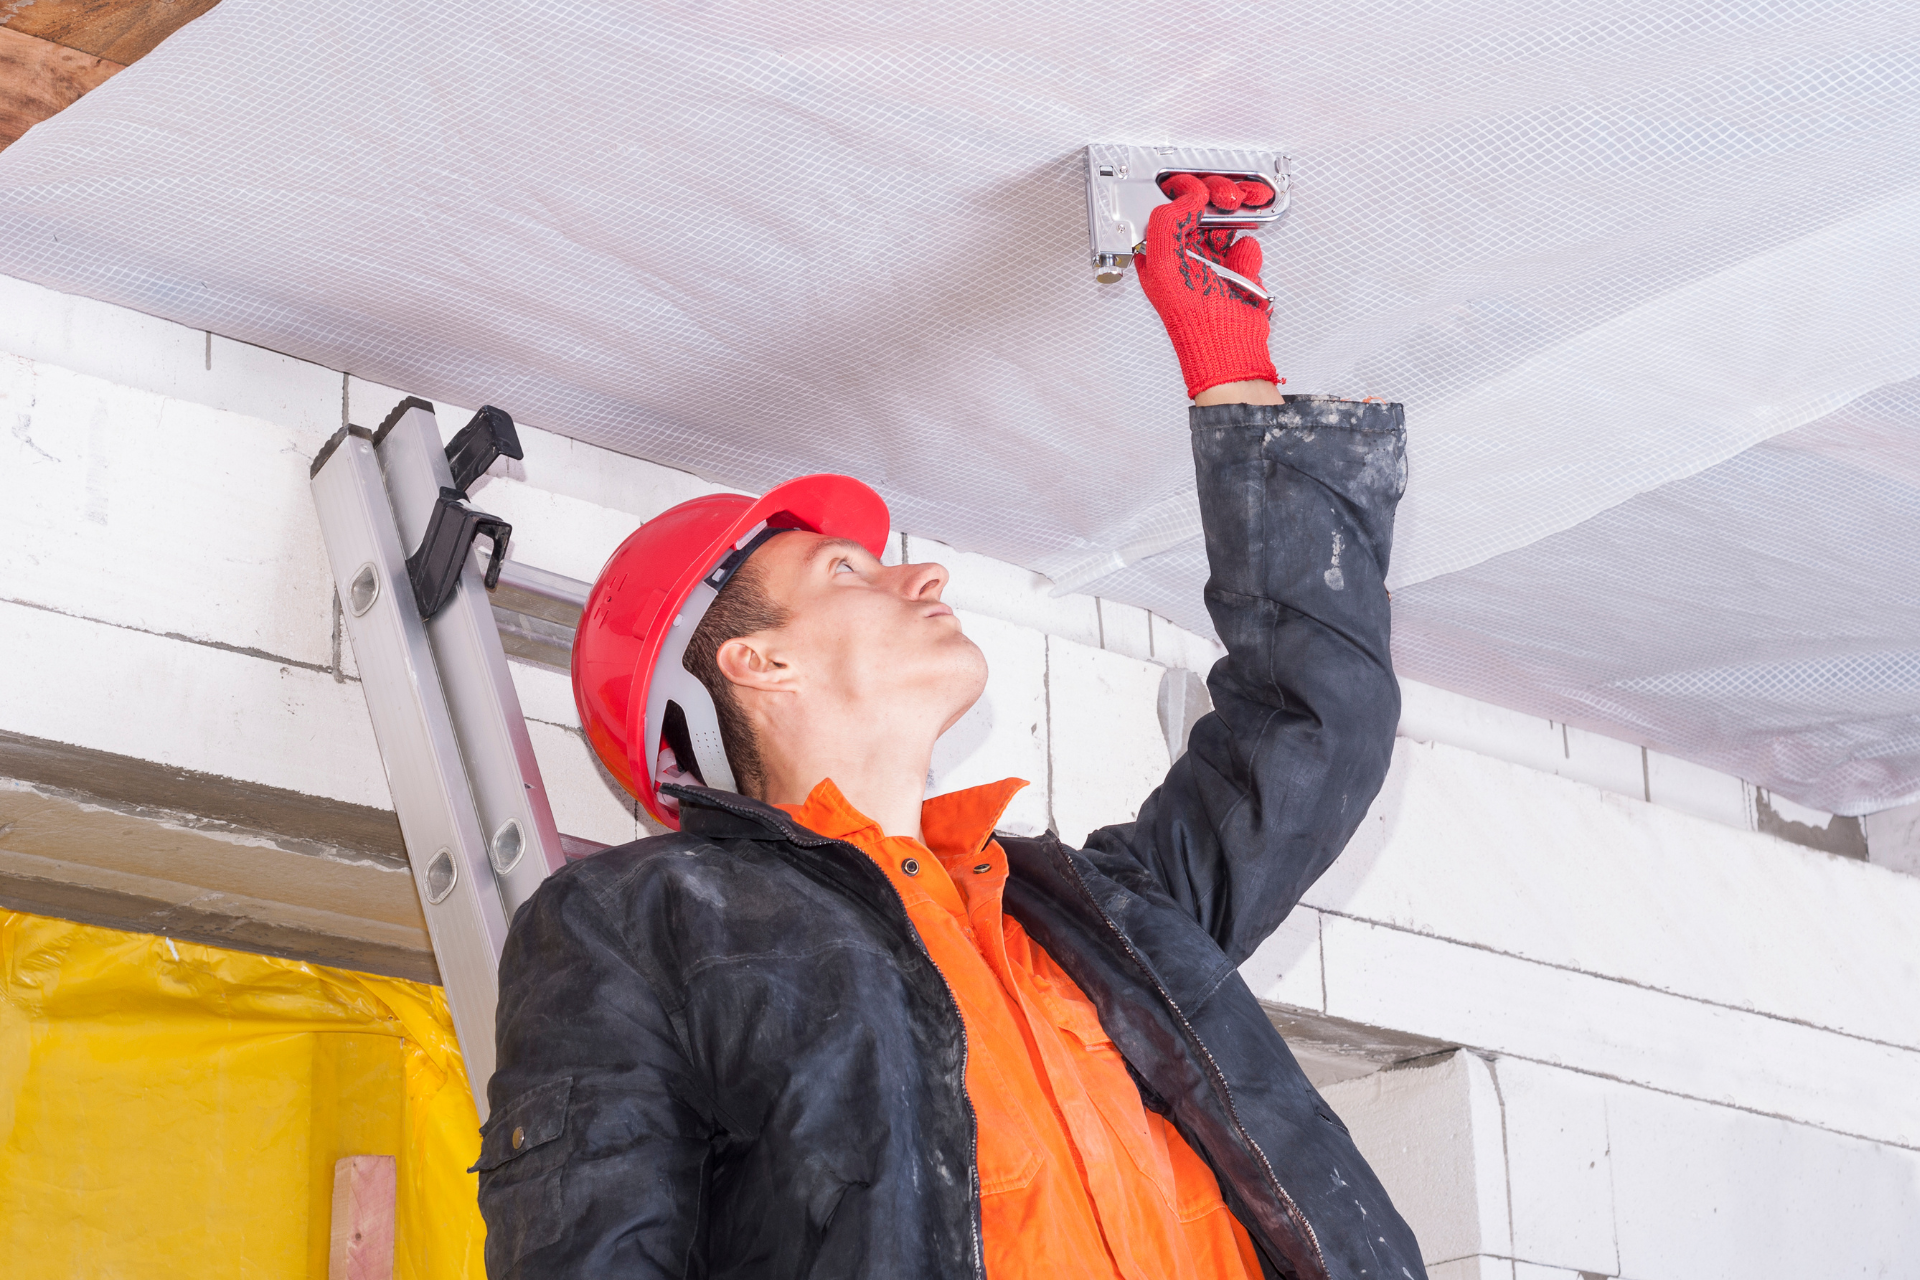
(1006, 1150)
(1109, 1085)
(530, 1121)
(521, 1167)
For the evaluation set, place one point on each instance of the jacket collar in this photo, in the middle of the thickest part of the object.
(706, 811)
(960, 821)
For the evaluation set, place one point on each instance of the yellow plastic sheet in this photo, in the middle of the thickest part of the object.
(174, 1110)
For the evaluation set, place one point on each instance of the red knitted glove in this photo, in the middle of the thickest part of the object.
(1219, 330)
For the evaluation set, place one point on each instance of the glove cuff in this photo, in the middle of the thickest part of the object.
(1211, 354)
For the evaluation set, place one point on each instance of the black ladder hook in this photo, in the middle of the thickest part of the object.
(434, 570)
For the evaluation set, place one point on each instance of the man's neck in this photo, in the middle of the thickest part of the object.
(881, 779)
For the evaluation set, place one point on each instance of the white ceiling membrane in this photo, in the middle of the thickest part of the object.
(1602, 251)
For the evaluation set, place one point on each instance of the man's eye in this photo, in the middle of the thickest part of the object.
(843, 566)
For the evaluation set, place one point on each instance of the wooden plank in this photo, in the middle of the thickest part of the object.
(39, 77)
(121, 31)
(362, 1230)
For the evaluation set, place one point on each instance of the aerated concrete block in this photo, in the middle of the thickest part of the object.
(191, 705)
(1432, 1134)
(1175, 646)
(1109, 752)
(1534, 1271)
(1125, 629)
(544, 695)
(1472, 996)
(1497, 856)
(98, 338)
(586, 802)
(1559, 1166)
(1694, 789)
(142, 353)
(1893, 838)
(1000, 590)
(552, 531)
(156, 513)
(1285, 969)
(1709, 1193)
(1005, 734)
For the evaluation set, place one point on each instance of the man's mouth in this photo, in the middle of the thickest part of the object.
(939, 611)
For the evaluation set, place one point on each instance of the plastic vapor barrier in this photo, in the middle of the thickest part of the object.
(1601, 249)
(174, 1110)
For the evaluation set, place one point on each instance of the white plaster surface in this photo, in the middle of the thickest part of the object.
(1109, 751)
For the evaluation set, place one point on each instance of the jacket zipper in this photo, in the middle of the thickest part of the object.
(973, 1118)
(1193, 1037)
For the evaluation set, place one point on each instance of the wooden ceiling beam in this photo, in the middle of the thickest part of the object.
(52, 52)
(39, 77)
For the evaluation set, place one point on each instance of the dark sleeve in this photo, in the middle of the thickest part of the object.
(1297, 502)
(607, 1174)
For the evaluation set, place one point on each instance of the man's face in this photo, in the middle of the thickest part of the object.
(867, 635)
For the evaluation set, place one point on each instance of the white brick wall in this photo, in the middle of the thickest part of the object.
(1517, 1171)
(1561, 874)
(1109, 750)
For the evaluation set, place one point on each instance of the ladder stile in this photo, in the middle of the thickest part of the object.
(515, 816)
(419, 748)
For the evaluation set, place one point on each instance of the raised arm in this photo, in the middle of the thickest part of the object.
(1297, 500)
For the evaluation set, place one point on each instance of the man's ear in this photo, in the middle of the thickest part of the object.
(746, 663)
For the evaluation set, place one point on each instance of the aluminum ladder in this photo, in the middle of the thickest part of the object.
(473, 811)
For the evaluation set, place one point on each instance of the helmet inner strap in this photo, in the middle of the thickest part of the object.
(730, 565)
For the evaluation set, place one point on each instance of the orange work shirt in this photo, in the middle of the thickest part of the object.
(1077, 1178)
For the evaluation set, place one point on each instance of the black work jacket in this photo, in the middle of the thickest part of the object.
(725, 1052)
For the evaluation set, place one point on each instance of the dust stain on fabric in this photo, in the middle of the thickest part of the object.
(1333, 577)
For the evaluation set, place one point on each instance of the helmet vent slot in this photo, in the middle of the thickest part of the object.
(673, 732)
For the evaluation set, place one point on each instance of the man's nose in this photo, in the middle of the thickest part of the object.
(924, 581)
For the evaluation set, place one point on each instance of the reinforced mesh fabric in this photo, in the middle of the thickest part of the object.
(1601, 249)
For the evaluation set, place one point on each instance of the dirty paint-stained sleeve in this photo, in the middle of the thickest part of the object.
(1297, 502)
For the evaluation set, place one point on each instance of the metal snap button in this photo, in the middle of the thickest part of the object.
(911, 866)
(519, 1137)
(983, 868)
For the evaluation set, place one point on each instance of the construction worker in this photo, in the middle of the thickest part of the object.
(830, 1028)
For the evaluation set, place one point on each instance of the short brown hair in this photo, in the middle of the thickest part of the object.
(742, 608)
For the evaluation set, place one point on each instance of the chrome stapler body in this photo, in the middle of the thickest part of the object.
(1123, 188)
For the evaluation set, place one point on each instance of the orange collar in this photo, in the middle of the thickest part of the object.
(953, 826)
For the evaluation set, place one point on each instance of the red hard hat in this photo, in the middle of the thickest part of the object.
(628, 683)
